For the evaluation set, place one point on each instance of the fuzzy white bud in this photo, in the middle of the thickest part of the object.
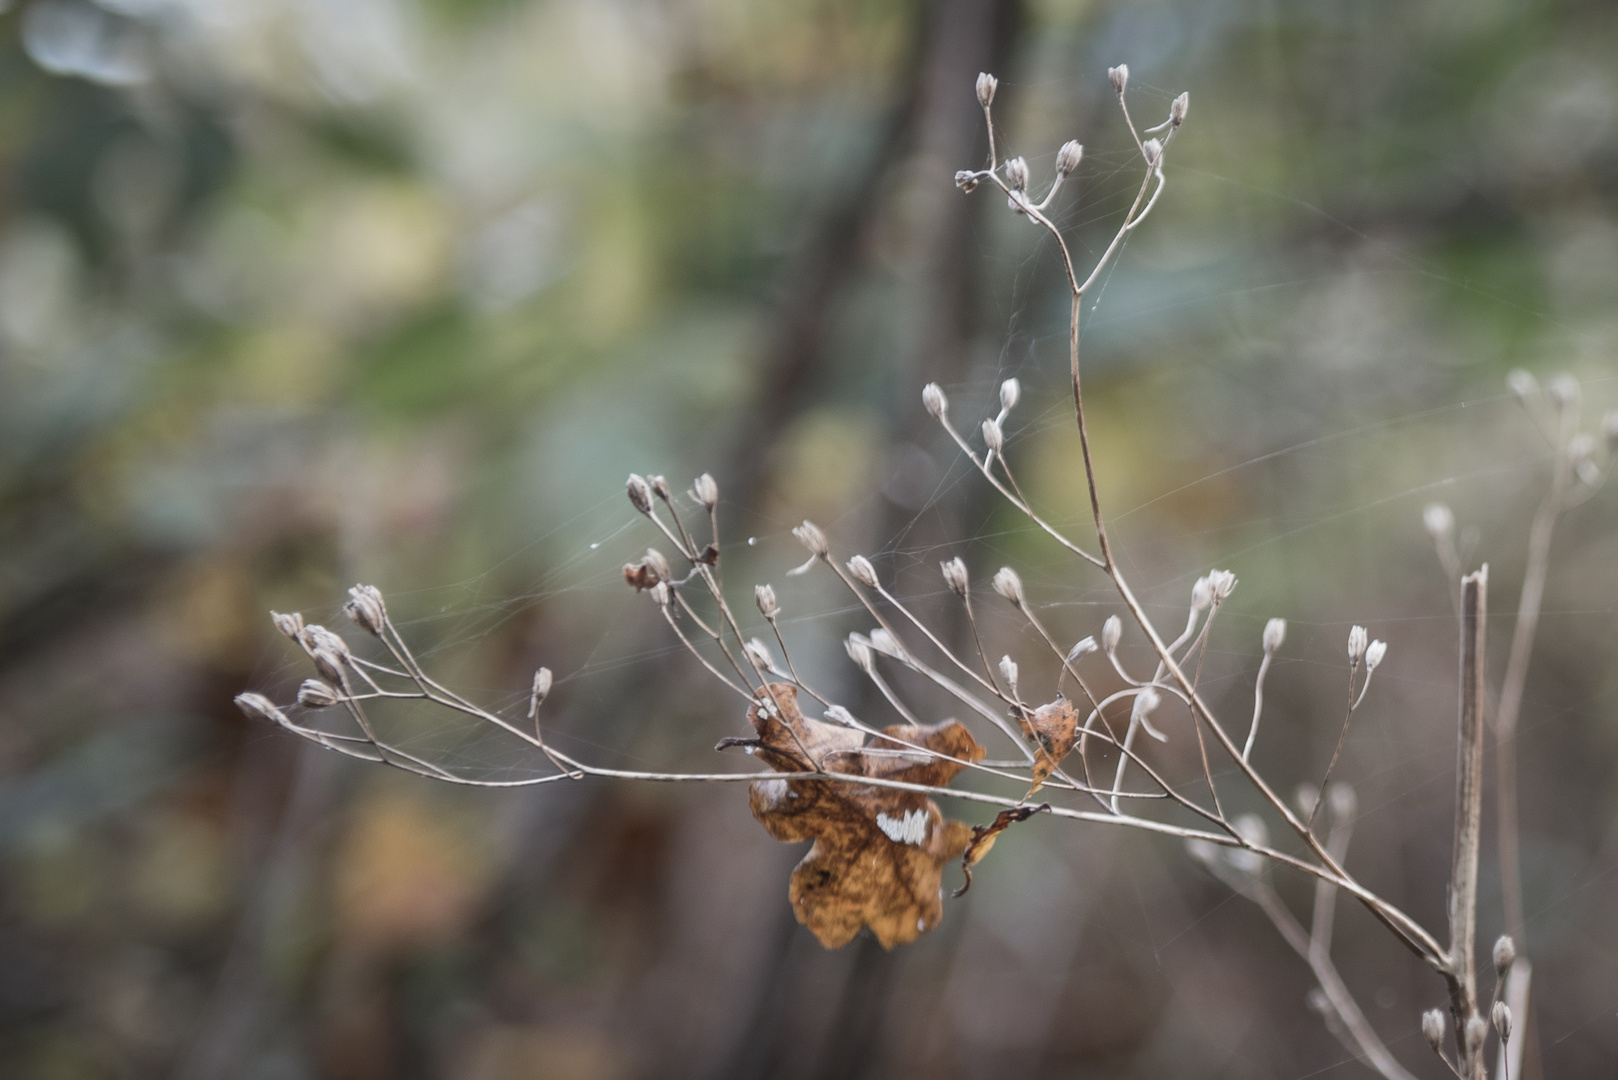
(884, 642)
(1179, 107)
(1011, 393)
(1502, 1020)
(1111, 631)
(861, 570)
(317, 694)
(1146, 703)
(811, 537)
(290, 625)
(315, 636)
(955, 576)
(1374, 653)
(1223, 582)
(1432, 1029)
(257, 706)
(836, 714)
(1505, 954)
(1008, 671)
(660, 487)
(640, 492)
(1275, 632)
(365, 607)
(1201, 594)
(657, 564)
(1152, 150)
(859, 651)
(1017, 174)
(758, 654)
(993, 437)
(1564, 391)
(1358, 640)
(932, 396)
(1119, 77)
(1439, 519)
(1523, 385)
(1069, 156)
(966, 180)
(987, 85)
(1083, 647)
(1477, 1029)
(706, 490)
(764, 597)
(1009, 585)
(542, 685)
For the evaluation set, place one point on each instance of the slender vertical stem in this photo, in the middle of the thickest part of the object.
(1511, 693)
(1463, 902)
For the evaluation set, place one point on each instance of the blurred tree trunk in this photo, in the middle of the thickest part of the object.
(937, 123)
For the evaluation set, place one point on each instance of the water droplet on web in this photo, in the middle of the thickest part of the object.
(595, 545)
(752, 541)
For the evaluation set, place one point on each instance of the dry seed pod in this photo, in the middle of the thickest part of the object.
(811, 537)
(1119, 77)
(1477, 1029)
(987, 85)
(1008, 671)
(955, 576)
(1011, 392)
(366, 608)
(1358, 642)
(1083, 647)
(317, 694)
(993, 437)
(1009, 585)
(932, 396)
(640, 492)
(1505, 954)
(1111, 632)
(1275, 632)
(260, 707)
(1432, 1029)
(706, 490)
(861, 570)
(1069, 156)
(764, 597)
(1017, 174)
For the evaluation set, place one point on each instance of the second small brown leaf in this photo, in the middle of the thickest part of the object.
(1054, 728)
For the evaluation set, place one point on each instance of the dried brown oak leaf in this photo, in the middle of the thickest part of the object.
(879, 853)
(1054, 728)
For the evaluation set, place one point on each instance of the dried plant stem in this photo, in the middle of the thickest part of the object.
(1468, 821)
(1342, 737)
